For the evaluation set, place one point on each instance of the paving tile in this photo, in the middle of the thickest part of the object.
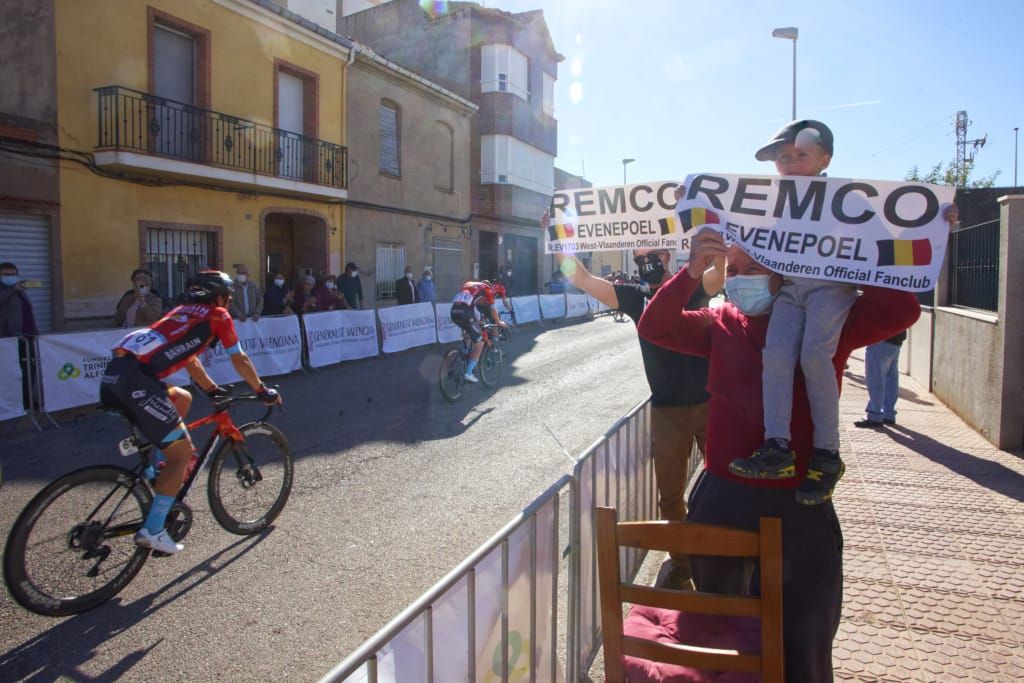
(867, 565)
(920, 542)
(998, 549)
(861, 535)
(945, 657)
(872, 602)
(969, 616)
(936, 573)
(1001, 580)
(876, 652)
(1013, 615)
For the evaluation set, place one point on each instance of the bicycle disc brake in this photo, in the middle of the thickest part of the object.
(179, 523)
(86, 537)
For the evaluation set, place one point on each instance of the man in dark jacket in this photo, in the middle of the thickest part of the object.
(405, 288)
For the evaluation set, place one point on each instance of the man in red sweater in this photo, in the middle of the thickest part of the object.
(812, 540)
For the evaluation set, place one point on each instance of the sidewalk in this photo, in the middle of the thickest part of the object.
(933, 521)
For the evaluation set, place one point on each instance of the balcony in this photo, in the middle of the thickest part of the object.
(156, 136)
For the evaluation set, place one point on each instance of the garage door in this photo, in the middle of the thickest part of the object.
(25, 242)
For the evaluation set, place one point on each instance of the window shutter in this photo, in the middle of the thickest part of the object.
(388, 140)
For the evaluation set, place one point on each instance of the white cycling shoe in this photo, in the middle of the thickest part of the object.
(470, 377)
(161, 542)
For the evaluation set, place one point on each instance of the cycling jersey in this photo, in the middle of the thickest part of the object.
(186, 331)
(479, 295)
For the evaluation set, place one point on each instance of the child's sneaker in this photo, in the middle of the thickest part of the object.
(823, 473)
(774, 460)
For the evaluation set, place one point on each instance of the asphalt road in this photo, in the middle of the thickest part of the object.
(393, 488)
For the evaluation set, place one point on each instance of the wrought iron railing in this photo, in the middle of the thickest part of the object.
(974, 266)
(137, 121)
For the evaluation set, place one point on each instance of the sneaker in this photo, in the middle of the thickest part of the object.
(770, 461)
(823, 473)
(868, 424)
(889, 421)
(470, 377)
(160, 542)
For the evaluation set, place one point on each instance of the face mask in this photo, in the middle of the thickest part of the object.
(750, 293)
(408, 276)
(279, 281)
(330, 285)
(242, 277)
(9, 280)
(428, 278)
(355, 273)
(508, 273)
(651, 269)
(143, 289)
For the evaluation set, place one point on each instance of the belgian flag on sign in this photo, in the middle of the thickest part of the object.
(560, 231)
(668, 225)
(696, 217)
(904, 252)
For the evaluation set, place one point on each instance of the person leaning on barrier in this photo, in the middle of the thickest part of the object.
(333, 298)
(278, 296)
(140, 305)
(425, 289)
(678, 398)
(351, 286)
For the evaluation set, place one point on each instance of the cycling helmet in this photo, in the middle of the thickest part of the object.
(208, 285)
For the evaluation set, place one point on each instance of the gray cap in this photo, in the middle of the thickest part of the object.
(797, 130)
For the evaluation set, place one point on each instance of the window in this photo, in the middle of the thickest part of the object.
(296, 92)
(448, 271)
(548, 104)
(390, 138)
(504, 159)
(444, 139)
(390, 267)
(175, 255)
(504, 69)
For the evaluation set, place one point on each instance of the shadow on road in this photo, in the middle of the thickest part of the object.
(57, 653)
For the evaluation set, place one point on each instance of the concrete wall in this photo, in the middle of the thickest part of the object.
(916, 354)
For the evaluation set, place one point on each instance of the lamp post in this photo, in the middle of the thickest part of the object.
(790, 33)
(625, 254)
(629, 161)
(1015, 156)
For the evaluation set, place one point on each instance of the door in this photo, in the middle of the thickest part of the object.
(25, 242)
(521, 252)
(290, 118)
(488, 254)
(279, 247)
(174, 125)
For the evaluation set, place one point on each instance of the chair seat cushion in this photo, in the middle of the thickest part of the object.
(703, 630)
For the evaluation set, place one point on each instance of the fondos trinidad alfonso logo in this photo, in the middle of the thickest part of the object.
(68, 371)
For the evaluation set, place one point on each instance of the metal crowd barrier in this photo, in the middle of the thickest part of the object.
(616, 470)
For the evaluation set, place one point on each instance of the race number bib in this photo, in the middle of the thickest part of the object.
(142, 342)
(463, 298)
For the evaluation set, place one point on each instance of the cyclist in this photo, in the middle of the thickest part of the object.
(477, 298)
(133, 385)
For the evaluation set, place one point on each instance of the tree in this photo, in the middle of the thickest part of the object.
(950, 176)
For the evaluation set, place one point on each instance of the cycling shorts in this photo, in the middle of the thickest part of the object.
(462, 315)
(129, 386)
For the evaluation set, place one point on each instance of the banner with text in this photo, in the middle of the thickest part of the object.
(274, 344)
(639, 216)
(336, 336)
(405, 327)
(552, 305)
(10, 376)
(527, 309)
(596, 306)
(447, 331)
(71, 366)
(576, 305)
(871, 232)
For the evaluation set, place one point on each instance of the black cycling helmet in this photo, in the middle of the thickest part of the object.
(208, 285)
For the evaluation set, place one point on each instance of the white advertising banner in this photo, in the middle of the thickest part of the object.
(405, 327)
(71, 366)
(637, 216)
(274, 344)
(335, 336)
(869, 232)
(596, 306)
(503, 313)
(447, 331)
(10, 377)
(576, 305)
(527, 309)
(552, 305)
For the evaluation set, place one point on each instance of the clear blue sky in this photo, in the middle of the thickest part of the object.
(686, 86)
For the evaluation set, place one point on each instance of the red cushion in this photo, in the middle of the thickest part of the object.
(703, 630)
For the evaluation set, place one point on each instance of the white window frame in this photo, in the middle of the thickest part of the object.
(548, 103)
(508, 160)
(390, 267)
(504, 69)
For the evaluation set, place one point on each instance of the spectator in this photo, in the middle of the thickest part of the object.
(405, 290)
(333, 299)
(882, 374)
(278, 297)
(247, 301)
(140, 305)
(557, 283)
(306, 297)
(17, 320)
(504, 277)
(425, 289)
(351, 286)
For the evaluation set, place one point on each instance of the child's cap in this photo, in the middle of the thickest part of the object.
(806, 129)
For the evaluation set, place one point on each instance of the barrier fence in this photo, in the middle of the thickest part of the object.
(472, 627)
(69, 367)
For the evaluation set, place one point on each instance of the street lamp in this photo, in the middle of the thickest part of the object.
(624, 162)
(1015, 157)
(790, 33)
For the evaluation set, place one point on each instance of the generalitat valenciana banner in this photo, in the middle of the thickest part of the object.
(638, 216)
(872, 232)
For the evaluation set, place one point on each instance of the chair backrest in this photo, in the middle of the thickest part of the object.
(690, 539)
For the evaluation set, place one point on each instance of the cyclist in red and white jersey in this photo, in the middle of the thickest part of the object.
(133, 384)
(477, 297)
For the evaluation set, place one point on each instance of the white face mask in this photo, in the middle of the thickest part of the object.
(355, 273)
(408, 276)
(428, 278)
(750, 293)
(143, 289)
(242, 277)
(330, 285)
(279, 281)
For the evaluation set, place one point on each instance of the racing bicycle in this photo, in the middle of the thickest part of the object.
(454, 362)
(73, 547)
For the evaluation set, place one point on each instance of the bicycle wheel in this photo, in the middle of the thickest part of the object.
(250, 481)
(73, 547)
(490, 366)
(453, 367)
(503, 339)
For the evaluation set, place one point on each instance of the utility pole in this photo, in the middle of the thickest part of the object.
(963, 161)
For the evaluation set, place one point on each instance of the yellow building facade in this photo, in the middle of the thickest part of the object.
(209, 133)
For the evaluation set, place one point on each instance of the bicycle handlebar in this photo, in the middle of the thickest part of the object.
(220, 405)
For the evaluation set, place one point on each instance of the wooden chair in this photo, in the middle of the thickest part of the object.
(690, 539)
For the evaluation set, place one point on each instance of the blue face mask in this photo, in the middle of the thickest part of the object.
(9, 280)
(750, 293)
